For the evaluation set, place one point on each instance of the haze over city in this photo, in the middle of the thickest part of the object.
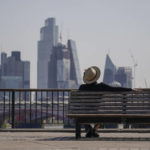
(120, 28)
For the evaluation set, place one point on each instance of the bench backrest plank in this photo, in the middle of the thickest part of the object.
(109, 102)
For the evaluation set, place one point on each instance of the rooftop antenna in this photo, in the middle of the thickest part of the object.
(68, 34)
(135, 64)
(1, 50)
(108, 51)
(60, 36)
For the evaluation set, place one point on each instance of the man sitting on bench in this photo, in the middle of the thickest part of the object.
(90, 77)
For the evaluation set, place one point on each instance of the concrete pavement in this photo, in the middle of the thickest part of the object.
(67, 141)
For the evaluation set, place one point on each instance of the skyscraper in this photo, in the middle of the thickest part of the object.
(64, 70)
(15, 73)
(124, 76)
(58, 64)
(59, 67)
(117, 76)
(75, 73)
(48, 39)
(110, 70)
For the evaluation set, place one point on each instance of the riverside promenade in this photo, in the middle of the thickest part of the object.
(50, 140)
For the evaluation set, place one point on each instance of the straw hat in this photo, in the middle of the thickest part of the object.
(91, 75)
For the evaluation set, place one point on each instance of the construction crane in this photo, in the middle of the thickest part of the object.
(146, 84)
(134, 69)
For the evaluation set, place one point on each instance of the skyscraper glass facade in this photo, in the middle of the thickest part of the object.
(14, 72)
(109, 71)
(117, 76)
(124, 76)
(75, 73)
(64, 71)
(58, 64)
(48, 39)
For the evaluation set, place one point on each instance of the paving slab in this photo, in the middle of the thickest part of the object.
(67, 141)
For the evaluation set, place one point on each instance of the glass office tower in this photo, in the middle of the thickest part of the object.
(117, 76)
(14, 72)
(109, 71)
(124, 76)
(48, 39)
(75, 73)
(64, 70)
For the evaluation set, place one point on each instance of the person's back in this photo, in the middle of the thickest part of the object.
(101, 87)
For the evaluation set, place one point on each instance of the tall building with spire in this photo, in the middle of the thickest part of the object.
(48, 39)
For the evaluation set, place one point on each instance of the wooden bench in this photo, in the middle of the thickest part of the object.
(109, 107)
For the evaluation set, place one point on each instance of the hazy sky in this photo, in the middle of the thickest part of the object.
(118, 27)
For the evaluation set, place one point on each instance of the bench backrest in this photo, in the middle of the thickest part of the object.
(109, 102)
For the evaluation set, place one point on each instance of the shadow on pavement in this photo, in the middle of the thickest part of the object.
(95, 139)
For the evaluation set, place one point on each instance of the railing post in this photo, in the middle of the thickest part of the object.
(13, 109)
(124, 104)
(124, 107)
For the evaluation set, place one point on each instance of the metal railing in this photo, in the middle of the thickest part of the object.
(33, 107)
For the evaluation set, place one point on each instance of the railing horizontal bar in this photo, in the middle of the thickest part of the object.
(38, 90)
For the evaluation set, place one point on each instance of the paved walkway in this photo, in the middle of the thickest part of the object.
(67, 141)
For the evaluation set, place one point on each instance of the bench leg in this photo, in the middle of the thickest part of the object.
(78, 129)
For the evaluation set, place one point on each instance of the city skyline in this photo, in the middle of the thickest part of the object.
(57, 64)
(120, 28)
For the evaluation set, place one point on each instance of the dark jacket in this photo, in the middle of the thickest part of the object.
(101, 87)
